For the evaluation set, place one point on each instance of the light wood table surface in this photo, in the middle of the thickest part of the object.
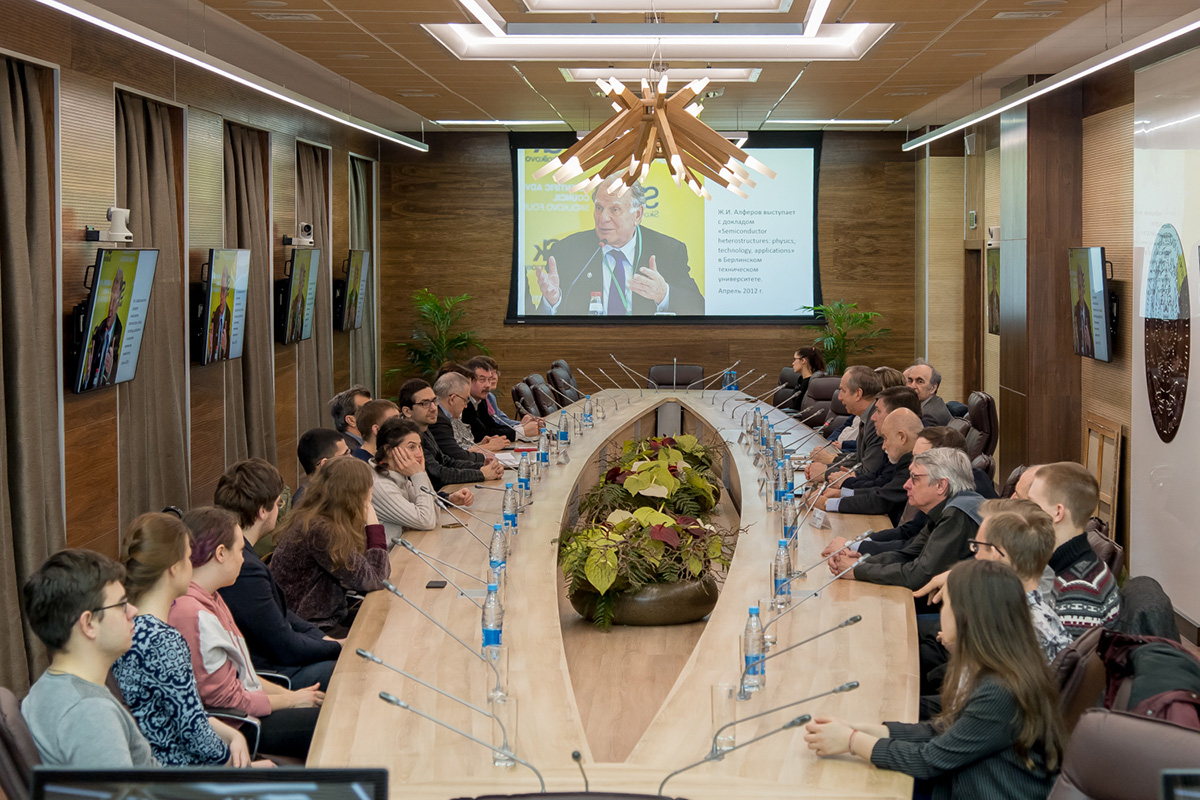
(636, 702)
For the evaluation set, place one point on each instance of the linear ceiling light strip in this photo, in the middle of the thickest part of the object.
(228, 71)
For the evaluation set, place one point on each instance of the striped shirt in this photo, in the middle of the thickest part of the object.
(973, 759)
(1085, 593)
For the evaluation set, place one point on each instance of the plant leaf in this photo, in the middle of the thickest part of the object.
(601, 569)
(665, 533)
(695, 566)
(618, 516)
(652, 516)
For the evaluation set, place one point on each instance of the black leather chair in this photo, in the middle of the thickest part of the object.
(524, 400)
(1010, 485)
(814, 409)
(546, 404)
(560, 363)
(1117, 756)
(1081, 677)
(565, 391)
(838, 413)
(675, 376)
(987, 464)
(789, 380)
(985, 424)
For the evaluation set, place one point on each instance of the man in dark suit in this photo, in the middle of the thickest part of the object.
(857, 390)
(634, 271)
(105, 347)
(923, 379)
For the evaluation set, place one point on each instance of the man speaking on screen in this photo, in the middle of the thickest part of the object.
(635, 271)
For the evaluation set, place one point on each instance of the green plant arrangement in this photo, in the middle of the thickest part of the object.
(847, 332)
(434, 340)
(635, 549)
(677, 474)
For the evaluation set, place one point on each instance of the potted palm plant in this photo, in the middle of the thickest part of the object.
(434, 338)
(847, 332)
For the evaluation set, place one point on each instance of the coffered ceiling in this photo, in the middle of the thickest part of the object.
(929, 49)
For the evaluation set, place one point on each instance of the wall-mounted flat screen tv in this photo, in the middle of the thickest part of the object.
(350, 293)
(219, 306)
(1090, 313)
(106, 329)
(296, 296)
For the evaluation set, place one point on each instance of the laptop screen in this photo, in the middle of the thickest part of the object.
(1181, 784)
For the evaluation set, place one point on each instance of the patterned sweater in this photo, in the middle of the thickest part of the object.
(159, 686)
(1085, 593)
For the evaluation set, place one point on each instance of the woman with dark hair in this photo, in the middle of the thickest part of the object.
(330, 544)
(403, 496)
(807, 363)
(155, 675)
(224, 673)
(1000, 733)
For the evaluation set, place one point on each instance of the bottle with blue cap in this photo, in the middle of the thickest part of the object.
(780, 484)
(493, 617)
(564, 430)
(524, 473)
(543, 454)
(753, 650)
(588, 418)
(781, 576)
(498, 555)
(509, 509)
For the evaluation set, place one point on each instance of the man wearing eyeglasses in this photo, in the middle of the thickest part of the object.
(418, 402)
(76, 605)
(941, 484)
(453, 435)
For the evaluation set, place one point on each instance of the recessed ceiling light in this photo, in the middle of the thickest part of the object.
(1044, 3)
(1026, 14)
(830, 121)
(967, 55)
(352, 56)
(265, 3)
(286, 16)
(907, 93)
(492, 123)
(415, 93)
(677, 76)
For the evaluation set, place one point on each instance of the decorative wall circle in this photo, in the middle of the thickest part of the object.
(1168, 332)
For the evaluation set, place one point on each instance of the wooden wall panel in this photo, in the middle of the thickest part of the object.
(1108, 222)
(921, 267)
(340, 233)
(945, 274)
(92, 63)
(446, 221)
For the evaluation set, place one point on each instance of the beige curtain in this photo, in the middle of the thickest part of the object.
(314, 357)
(362, 218)
(152, 446)
(250, 380)
(31, 500)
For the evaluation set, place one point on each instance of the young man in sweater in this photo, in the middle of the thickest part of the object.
(76, 605)
(278, 639)
(1085, 592)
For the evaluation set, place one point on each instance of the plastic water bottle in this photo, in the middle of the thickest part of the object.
(498, 555)
(493, 617)
(770, 480)
(523, 476)
(789, 471)
(791, 521)
(753, 649)
(510, 510)
(758, 421)
(543, 450)
(769, 441)
(780, 485)
(596, 305)
(588, 419)
(788, 520)
(781, 575)
(777, 451)
(733, 384)
(564, 429)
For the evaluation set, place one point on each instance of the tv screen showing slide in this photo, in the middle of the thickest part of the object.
(114, 317)
(355, 297)
(210, 783)
(302, 294)
(1089, 303)
(660, 252)
(223, 316)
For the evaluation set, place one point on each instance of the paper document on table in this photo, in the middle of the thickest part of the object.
(508, 459)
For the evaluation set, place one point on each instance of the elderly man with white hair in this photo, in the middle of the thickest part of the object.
(633, 270)
(941, 484)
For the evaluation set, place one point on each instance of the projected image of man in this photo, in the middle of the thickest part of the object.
(1083, 312)
(106, 338)
(635, 270)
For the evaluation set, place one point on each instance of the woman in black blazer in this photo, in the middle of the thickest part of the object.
(1000, 734)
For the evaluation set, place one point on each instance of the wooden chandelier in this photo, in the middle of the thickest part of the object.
(655, 126)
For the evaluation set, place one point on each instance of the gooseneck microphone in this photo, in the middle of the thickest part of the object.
(369, 656)
(712, 379)
(389, 698)
(795, 723)
(578, 758)
(860, 538)
(810, 595)
(821, 489)
(748, 385)
(447, 504)
(408, 546)
(566, 397)
(392, 588)
(628, 396)
(598, 386)
(848, 686)
(582, 270)
(421, 554)
(631, 373)
(744, 695)
(758, 399)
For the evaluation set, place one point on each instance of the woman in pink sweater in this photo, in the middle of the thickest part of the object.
(224, 674)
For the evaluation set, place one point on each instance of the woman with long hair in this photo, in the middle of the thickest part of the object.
(330, 544)
(221, 661)
(807, 363)
(1000, 733)
(155, 674)
(403, 496)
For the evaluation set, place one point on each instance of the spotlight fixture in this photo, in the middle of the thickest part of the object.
(650, 127)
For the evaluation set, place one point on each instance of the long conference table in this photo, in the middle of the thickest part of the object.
(634, 702)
